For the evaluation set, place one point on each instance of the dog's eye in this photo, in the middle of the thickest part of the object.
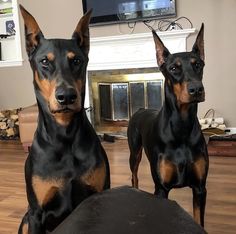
(75, 61)
(45, 62)
(197, 65)
(173, 68)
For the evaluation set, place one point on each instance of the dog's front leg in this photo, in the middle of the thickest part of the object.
(32, 223)
(160, 192)
(199, 203)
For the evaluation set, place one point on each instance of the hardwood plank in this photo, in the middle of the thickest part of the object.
(13, 202)
(221, 185)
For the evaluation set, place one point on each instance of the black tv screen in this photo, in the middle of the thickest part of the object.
(123, 11)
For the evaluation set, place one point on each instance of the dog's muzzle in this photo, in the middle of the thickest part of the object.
(196, 91)
(65, 100)
(66, 96)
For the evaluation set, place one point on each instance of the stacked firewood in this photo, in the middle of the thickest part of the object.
(9, 124)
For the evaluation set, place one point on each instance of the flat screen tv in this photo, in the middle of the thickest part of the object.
(124, 11)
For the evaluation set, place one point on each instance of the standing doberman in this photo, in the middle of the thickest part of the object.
(66, 163)
(172, 138)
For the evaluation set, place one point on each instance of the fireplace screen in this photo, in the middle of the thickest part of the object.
(154, 100)
(114, 101)
(137, 96)
(119, 101)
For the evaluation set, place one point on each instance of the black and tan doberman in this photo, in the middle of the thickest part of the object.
(172, 137)
(66, 163)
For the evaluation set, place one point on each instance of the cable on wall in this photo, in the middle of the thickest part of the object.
(131, 26)
(167, 25)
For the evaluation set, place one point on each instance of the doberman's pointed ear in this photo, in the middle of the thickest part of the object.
(198, 46)
(33, 33)
(81, 33)
(161, 51)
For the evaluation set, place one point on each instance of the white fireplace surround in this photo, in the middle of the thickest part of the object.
(132, 51)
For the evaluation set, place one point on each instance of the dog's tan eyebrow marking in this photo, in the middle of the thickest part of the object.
(193, 60)
(70, 55)
(50, 56)
(178, 62)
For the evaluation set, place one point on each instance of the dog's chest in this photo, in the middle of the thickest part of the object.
(181, 166)
(67, 175)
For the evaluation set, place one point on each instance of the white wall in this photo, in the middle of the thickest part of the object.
(59, 18)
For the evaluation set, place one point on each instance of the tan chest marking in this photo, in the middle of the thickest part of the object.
(167, 170)
(199, 168)
(95, 177)
(45, 190)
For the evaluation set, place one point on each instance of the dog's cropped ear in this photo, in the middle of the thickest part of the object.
(81, 33)
(33, 33)
(198, 46)
(161, 51)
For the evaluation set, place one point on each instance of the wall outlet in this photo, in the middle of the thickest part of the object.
(230, 130)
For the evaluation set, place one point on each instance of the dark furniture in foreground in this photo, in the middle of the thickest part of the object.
(125, 210)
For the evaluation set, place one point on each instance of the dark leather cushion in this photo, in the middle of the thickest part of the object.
(126, 210)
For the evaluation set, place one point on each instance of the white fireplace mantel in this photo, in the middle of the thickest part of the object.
(133, 50)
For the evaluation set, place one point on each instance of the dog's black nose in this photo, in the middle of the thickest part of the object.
(195, 89)
(66, 96)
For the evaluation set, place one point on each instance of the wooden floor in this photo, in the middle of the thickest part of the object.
(221, 200)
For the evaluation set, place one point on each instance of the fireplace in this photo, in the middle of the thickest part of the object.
(123, 77)
(115, 95)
